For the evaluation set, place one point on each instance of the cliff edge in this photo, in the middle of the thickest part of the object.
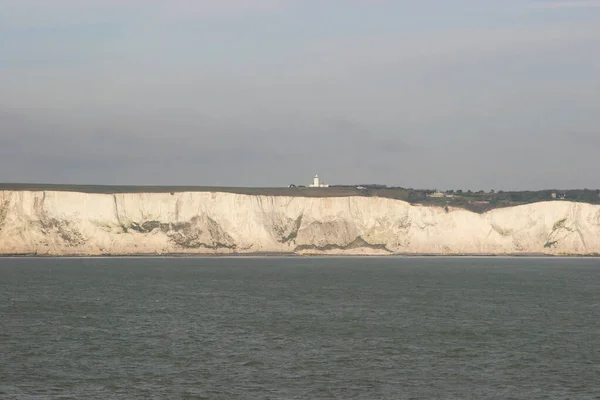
(75, 223)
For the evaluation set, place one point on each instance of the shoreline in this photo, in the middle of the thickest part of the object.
(294, 255)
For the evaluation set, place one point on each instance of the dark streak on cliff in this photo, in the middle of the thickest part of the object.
(357, 243)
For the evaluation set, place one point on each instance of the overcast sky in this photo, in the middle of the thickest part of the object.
(469, 94)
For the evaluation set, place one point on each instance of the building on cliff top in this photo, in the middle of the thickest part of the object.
(438, 194)
(317, 183)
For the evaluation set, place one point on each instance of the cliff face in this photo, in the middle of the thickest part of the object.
(71, 223)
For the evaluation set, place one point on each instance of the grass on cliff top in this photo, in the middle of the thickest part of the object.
(473, 201)
(110, 189)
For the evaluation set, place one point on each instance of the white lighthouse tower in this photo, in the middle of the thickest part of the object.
(317, 183)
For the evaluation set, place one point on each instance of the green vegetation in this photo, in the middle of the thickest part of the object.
(146, 227)
(479, 201)
(294, 233)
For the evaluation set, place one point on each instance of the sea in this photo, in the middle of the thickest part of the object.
(300, 328)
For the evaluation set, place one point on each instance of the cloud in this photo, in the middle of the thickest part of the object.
(566, 4)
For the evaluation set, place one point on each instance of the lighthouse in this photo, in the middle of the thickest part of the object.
(317, 183)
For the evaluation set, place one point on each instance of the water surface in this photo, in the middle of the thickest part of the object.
(299, 328)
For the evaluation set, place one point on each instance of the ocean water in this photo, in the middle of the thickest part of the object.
(299, 328)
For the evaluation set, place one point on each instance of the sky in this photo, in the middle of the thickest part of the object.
(463, 94)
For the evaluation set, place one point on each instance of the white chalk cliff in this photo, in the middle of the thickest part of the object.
(73, 223)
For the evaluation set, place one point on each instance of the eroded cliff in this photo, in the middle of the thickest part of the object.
(73, 223)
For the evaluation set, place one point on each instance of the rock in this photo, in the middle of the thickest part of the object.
(74, 223)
